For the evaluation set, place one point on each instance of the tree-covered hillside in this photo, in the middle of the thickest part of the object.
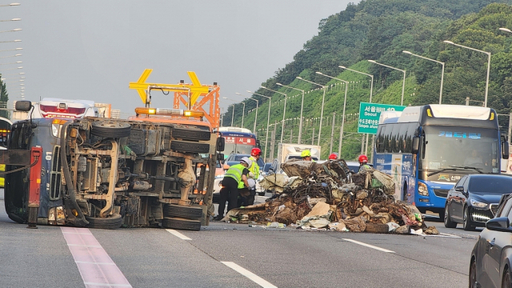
(381, 30)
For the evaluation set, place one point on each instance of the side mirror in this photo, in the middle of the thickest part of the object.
(221, 144)
(504, 150)
(415, 145)
(459, 189)
(499, 224)
(23, 105)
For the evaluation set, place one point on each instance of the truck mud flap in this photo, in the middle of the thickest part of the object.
(193, 135)
(190, 147)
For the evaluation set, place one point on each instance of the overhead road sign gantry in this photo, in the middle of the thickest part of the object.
(369, 114)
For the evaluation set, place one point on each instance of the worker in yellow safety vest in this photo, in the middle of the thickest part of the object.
(248, 195)
(234, 179)
(363, 163)
(306, 155)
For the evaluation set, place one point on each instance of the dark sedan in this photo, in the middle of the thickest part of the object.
(491, 258)
(474, 199)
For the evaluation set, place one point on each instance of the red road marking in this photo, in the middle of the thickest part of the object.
(96, 267)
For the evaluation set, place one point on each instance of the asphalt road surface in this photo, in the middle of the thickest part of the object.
(230, 255)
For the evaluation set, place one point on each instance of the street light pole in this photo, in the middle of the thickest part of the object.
(268, 121)
(488, 66)
(442, 71)
(233, 113)
(243, 111)
(284, 109)
(403, 71)
(13, 19)
(15, 49)
(301, 109)
(12, 4)
(344, 106)
(9, 41)
(321, 110)
(256, 116)
(371, 93)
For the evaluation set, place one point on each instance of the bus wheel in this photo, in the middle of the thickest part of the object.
(113, 222)
(188, 212)
(181, 224)
(111, 129)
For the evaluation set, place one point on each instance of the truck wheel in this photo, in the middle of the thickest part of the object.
(189, 147)
(112, 129)
(113, 222)
(193, 135)
(188, 212)
(181, 224)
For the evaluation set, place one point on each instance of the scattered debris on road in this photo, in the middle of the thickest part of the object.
(329, 196)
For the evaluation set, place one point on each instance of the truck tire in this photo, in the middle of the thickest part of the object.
(194, 135)
(181, 224)
(113, 222)
(187, 212)
(111, 129)
(189, 147)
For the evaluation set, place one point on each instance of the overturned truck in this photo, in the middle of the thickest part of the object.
(151, 170)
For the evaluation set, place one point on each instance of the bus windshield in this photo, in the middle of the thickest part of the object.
(234, 148)
(238, 140)
(461, 147)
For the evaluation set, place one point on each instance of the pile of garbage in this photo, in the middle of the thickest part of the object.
(329, 196)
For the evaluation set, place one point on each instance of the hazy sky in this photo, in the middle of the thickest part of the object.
(92, 49)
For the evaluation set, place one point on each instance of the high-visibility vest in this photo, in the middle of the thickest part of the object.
(255, 168)
(236, 172)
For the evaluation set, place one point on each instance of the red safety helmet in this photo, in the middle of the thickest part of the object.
(256, 152)
(363, 159)
(333, 156)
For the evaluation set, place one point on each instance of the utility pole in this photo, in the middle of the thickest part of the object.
(332, 130)
(509, 128)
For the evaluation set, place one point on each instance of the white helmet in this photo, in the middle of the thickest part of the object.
(246, 160)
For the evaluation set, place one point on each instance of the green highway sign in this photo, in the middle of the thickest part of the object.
(369, 114)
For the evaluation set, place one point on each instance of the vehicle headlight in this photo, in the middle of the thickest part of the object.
(55, 130)
(478, 204)
(422, 189)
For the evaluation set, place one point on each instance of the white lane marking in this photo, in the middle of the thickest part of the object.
(253, 277)
(446, 235)
(94, 264)
(105, 285)
(368, 245)
(178, 234)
